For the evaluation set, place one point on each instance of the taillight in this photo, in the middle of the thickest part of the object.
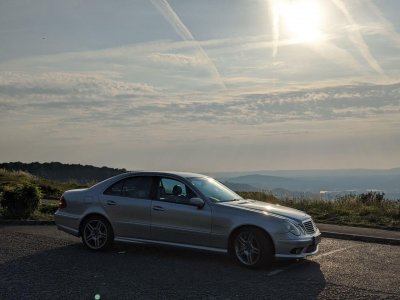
(62, 203)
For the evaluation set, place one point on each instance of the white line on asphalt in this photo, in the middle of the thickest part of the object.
(333, 251)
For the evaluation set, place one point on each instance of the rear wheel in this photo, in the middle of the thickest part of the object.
(252, 248)
(97, 233)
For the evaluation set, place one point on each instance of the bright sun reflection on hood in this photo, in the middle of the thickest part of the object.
(301, 19)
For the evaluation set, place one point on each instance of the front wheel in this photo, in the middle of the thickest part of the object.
(97, 233)
(253, 248)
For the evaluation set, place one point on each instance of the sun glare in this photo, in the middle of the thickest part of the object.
(301, 19)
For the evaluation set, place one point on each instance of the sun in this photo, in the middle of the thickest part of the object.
(301, 19)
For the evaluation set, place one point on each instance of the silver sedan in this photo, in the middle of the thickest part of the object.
(187, 210)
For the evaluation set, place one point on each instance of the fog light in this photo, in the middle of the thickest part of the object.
(296, 250)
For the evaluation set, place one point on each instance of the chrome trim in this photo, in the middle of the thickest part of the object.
(309, 226)
(153, 242)
(67, 215)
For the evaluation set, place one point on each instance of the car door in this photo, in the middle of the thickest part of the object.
(128, 205)
(174, 220)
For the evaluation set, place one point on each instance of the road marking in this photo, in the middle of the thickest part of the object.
(333, 251)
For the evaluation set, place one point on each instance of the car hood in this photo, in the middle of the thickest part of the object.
(275, 209)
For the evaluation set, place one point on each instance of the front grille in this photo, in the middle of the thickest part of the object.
(309, 226)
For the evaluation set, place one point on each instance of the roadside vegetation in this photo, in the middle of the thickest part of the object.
(367, 210)
(24, 196)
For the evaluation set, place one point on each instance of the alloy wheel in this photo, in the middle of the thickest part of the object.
(95, 234)
(247, 248)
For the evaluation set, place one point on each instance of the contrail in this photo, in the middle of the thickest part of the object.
(169, 14)
(358, 40)
(274, 15)
(391, 32)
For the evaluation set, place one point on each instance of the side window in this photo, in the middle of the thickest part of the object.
(132, 187)
(115, 189)
(171, 190)
(137, 187)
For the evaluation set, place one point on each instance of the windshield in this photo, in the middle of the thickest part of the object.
(214, 190)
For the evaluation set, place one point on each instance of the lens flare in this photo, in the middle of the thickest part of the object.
(301, 19)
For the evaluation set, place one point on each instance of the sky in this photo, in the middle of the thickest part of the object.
(211, 85)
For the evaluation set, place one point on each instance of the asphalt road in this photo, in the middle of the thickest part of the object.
(39, 262)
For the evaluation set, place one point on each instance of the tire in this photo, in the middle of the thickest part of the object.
(253, 248)
(97, 233)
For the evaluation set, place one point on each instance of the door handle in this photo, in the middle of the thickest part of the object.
(158, 208)
(110, 202)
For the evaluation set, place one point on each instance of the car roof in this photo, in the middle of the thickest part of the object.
(161, 173)
(106, 182)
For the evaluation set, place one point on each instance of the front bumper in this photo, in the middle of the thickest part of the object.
(290, 248)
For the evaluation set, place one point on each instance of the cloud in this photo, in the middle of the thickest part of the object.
(357, 38)
(169, 14)
(106, 102)
(178, 59)
(21, 93)
(386, 26)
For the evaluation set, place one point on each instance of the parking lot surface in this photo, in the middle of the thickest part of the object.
(40, 262)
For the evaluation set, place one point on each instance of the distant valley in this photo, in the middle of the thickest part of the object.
(310, 182)
(296, 183)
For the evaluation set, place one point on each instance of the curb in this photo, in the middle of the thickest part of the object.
(362, 238)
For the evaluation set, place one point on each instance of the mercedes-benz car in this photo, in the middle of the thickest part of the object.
(187, 210)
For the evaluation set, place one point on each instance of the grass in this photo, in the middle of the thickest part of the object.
(45, 212)
(367, 210)
(50, 189)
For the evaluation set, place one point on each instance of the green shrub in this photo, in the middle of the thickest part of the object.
(20, 201)
(48, 209)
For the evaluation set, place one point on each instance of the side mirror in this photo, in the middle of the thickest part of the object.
(197, 202)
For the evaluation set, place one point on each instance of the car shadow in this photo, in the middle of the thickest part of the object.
(152, 272)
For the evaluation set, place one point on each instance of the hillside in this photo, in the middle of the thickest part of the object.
(50, 189)
(63, 172)
(314, 181)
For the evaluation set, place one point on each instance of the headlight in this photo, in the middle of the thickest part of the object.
(293, 228)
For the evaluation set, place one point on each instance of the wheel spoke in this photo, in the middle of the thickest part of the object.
(90, 236)
(250, 238)
(240, 251)
(96, 242)
(91, 228)
(102, 234)
(255, 250)
(249, 258)
(242, 240)
(98, 225)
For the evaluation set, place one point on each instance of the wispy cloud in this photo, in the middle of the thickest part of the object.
(178, 59)
(357, 38)
(169, 14)
(388, 26)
